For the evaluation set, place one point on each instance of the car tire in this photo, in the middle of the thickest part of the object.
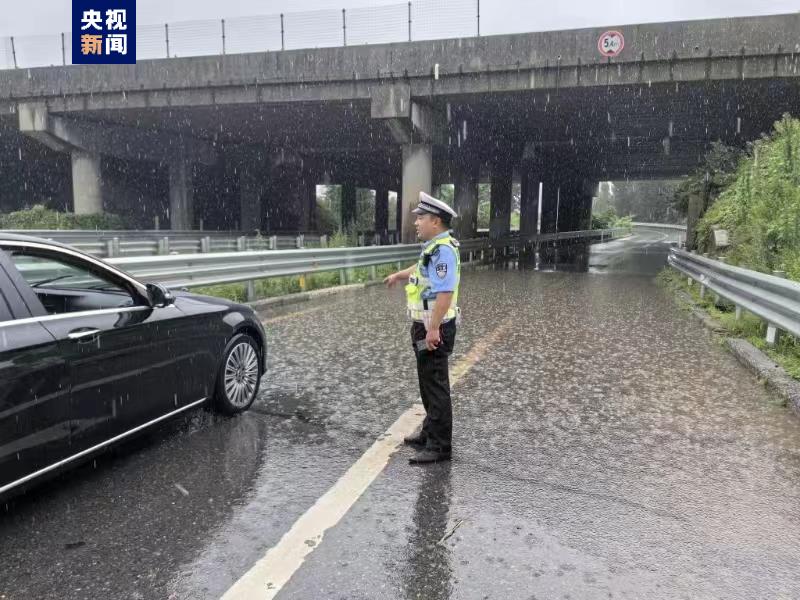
(239, 375)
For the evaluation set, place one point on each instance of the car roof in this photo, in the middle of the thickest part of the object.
(6, 236)
(17, 237)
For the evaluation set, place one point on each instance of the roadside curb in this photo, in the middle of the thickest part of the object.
(299, 297)
(765, 369)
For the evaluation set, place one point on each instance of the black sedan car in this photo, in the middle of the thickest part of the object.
(90, 356)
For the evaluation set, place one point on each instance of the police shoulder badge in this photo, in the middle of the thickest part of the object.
(441, 270)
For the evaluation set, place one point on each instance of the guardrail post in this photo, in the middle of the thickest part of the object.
(112, 247)
(303, 284)
(241, 243)
(398, 265)
(156, 223)
(205, 244)
(251, 290)
(738, 313)
(300, 241)
(273, 242)
(373, 273)
(323, 241)
(773, 333)
(163, 245)
(342, 276)
(361, 241)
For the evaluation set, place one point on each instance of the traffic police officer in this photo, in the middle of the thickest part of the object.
(432, 299)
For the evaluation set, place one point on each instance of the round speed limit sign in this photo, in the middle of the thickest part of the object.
(611, 43)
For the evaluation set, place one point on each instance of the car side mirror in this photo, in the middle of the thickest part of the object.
(159, 295)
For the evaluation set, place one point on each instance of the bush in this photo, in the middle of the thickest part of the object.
(40, 217)
(760, 209)
(608, 219)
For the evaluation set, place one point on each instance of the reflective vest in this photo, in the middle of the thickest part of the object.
(420, 309)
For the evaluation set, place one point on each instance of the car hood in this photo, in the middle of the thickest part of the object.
(189, 299)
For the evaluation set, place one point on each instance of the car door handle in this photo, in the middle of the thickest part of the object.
(79, 334)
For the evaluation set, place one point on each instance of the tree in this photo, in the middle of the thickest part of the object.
(717, 172)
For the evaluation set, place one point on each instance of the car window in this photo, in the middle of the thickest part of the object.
(65, 287)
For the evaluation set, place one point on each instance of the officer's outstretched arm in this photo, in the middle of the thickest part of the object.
(400, 275)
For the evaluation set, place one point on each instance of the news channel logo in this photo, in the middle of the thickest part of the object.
(103, 32)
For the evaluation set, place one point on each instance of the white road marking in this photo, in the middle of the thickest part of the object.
(268, 576)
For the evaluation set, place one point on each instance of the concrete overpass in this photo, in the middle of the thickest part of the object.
(241, 140)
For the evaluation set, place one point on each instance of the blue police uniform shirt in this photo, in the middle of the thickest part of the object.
(441, 270)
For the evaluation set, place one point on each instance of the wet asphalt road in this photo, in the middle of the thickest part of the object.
(605, 447)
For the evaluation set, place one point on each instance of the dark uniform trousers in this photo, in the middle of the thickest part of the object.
(434, 386)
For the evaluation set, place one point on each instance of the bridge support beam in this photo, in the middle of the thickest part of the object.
(88, 141)
(417, 177)
(87, 183)
(252, 185)
(466, 201)
(500, 219)
(349, 206)
(181, 195)
(308, 221)
(382, 213)
(530, 176)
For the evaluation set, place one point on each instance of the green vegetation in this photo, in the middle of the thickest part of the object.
(281, 286)
(40, 217)
(753, 194)
(760, 207)
(710, 179)
(608, 219)
(786, 352)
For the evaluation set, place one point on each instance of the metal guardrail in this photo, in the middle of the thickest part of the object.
(112, 244)
(660, 226)
(216, 268)
(196, 270)
(772, 298)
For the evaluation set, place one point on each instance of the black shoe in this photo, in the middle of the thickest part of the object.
(429, 456)
(418, 439)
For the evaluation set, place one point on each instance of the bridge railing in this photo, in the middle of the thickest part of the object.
(401, 22)
(771, 297)
(197, 270)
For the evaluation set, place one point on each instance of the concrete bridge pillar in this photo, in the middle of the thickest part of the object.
(308, 220)
(252, 185)
(398, 217)
(349, 206)
(181, 195)
(87, 183)
(551, 203)
(382, 213)
(466, 201)
(500, 212)
(417, 177)
(529, 202)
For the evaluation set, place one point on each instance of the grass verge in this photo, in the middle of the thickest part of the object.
(786, 352)
(281, 286)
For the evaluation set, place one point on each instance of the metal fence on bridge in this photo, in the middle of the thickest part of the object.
(401, 22)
